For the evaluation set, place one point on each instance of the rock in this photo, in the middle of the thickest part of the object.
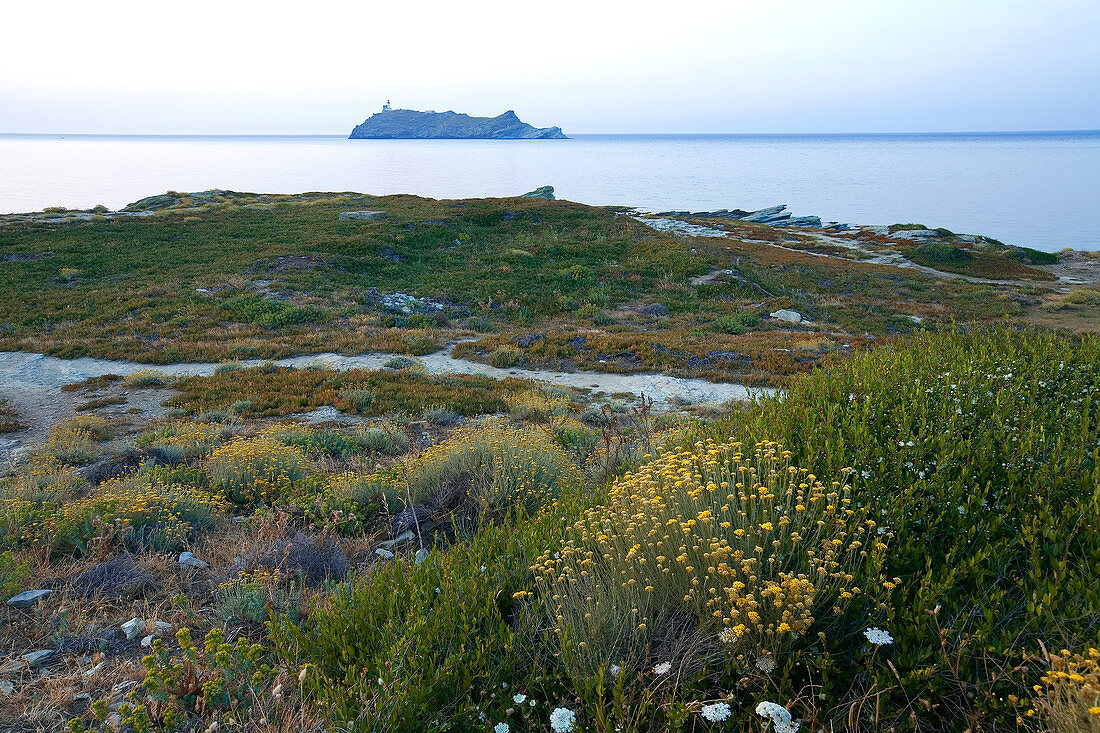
(94, 670)
(542, 192)
(409, 124)
(40, 658)
(117, 578)
(763, 216)
(653, 309)
(133, 628)
(362, 215)
(28, 598)
(527, 340)
(409, 519)
(421, 555)
(147, 641)
(384, 554)
(916, 319)
(162, 628)
(787, 315)
(189, 560)
(123, 687)
(7, 688)
(403, 537)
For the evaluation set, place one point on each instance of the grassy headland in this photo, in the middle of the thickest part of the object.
(905, 539)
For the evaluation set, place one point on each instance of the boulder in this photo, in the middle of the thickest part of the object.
(133, 628)
(28, 598)
(409, 519)
(189, 560)
(362, 215)
(40, 658)
(384, 554)
(787, 315)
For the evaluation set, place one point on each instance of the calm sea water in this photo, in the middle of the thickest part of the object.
(1035, 189)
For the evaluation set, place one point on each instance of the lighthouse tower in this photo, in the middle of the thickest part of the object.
(386, 107)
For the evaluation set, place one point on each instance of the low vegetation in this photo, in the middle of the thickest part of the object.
(906, 537)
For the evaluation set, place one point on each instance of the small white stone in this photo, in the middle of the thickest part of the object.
(384, 554)
(186, 558)
(133, 628)
(28, 598)
(421, 555)
(147, 641)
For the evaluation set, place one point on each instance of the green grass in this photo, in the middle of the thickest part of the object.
(237, 276)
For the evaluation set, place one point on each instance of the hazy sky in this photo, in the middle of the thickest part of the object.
(589, 66)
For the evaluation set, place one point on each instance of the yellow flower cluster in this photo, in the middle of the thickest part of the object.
(751, 549)
(505, 468)
(536, 404)
(184, 439)
(1069, 698)
(168, 513)
(256, 470)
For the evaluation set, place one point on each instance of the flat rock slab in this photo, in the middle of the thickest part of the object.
(362, 215)
(28, 598)
(40, 658)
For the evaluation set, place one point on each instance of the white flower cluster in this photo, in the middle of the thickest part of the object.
(765, 664)
(727, 636)
(716, 712)
(878, 637)
(500, 728)
(562, 720)
(662, 668)
(779, 716)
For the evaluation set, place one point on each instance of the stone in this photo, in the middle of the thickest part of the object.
(189, 560)
(542, 192)
(384, 554)
(123, 687)
(409, 519)
(133, 628)
(403, 537)
(147, 641)
(421, 555)
(653, 309)
(916, 319)
(7, 688)
(363, 215)
(40, 658)
(94, 670)
(772, 213)
(28, 598)
(787, 315)
(162, 628)
(82, 697)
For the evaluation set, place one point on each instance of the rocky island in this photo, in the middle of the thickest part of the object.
(410, 124)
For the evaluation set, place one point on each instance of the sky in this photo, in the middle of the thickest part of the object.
(734, 66)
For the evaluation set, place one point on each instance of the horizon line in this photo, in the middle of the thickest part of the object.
(622, 134)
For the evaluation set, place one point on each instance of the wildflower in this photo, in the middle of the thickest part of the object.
(500, 728)
(765, 664)
(778, 715)
(562, 720)
(878, 637)
(727, 636)
(716, 712)
(662, 668)
(616, 670)
(519, 698)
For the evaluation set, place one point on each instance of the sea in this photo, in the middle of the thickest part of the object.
(1039, 190)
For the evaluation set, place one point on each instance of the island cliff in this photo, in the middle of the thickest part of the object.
(408, 124)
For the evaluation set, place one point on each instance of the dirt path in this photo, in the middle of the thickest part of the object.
(32, 383)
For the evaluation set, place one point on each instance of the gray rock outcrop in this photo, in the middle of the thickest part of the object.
(542, 192)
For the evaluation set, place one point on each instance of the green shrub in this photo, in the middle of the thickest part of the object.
(405, 362)
(738, 323)
(273, 313)
(500, 469)
(755, 553)
(505, 357)
(479, 324)
(416, 646)
(419, 342)
(135, 512)
(219, 684)
(11, 574)
(981, 450)
(254, 471)
(146, 378)
(356, 399)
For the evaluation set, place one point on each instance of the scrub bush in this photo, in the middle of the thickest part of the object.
(255, 471)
